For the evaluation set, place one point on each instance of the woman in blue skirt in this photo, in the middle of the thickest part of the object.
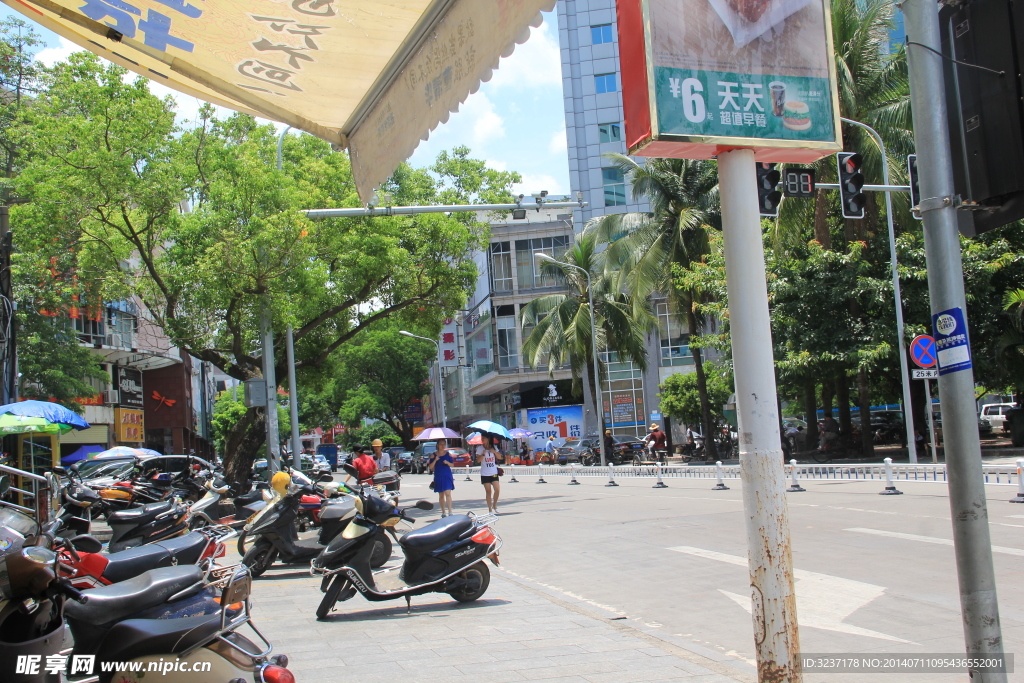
(444, 483)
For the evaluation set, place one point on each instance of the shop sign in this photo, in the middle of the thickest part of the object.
(129, 383)
(130, 425)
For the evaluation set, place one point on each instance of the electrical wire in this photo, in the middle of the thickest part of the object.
(956, 61)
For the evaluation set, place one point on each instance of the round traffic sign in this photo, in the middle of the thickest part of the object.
(922, 351)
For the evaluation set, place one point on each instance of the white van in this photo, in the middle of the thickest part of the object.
(995, 414)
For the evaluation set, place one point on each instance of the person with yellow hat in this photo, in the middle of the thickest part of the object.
(380, 456)
(655, 441)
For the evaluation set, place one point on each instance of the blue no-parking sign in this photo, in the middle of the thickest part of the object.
(953, 350)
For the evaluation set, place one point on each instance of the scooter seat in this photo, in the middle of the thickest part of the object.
(437, 534)
(117, 601)
(136, 638)
(128, 563)
(248, 498)
(337, 509)
(146, 513)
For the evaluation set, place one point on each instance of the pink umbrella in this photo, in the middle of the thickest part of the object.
(435, 433)
(475, 439)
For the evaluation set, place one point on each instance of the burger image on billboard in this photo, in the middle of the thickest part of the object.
(796, 115)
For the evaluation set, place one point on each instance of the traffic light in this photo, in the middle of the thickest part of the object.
(768, 197)
(915, 187)
(851, 180)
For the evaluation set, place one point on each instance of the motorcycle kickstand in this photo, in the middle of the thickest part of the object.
(408, 604)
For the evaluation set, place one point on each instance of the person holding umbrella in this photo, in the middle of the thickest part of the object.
(444, 483)
(487, 454)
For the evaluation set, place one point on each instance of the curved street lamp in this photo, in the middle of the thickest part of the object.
(440, 378)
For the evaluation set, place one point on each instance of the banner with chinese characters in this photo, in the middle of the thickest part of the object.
(378, 75)
(703, 76)
(564, 422)
(449, 351)
(130, 425)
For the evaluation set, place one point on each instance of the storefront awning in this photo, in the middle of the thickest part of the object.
(373, 77)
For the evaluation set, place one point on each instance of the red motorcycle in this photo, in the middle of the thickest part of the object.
(82, 563)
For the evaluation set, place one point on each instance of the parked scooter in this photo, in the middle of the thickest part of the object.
(447, 556)
(138, 622)
(82, 563)
(78, 502)
(273, 530)
(216, 507)
(154, 522)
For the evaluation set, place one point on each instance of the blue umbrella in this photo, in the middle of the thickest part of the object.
(81, 453)
(491, 427)
(52, 412)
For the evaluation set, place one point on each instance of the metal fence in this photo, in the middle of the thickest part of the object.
(1003, 475)
(29, 490)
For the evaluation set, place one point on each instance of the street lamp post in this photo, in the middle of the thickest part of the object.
(593, 342)
(440, 377)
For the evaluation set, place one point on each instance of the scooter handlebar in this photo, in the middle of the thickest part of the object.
(73, 593)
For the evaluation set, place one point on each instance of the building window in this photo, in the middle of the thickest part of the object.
(501, 267)
(528, 267)
(614, 187)
(605, 83)
(610, 132)
(601, 34)
(675, 344)
(505, 332)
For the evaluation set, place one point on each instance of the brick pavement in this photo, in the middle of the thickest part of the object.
(519, 631)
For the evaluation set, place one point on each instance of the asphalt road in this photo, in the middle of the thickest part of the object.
(875, 574)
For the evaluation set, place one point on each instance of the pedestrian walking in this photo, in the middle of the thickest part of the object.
(444, 483)
(609, 445)
(524, 454)
(381, 456)
(487, 456)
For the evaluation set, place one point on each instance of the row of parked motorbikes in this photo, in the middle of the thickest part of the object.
(157, 594)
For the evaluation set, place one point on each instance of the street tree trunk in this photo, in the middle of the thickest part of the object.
(242, 446)
(843, 400)
(707, 426)
(810, 411)
(864, 394)
(828, 390)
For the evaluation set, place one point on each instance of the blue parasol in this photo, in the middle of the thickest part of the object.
(491, 428)
(52, 412)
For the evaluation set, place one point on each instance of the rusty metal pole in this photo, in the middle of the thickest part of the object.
(761, 469)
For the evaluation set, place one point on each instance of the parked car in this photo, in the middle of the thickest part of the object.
(995, 415)
(409, 461)
(588, 450)
(460, 457)
(151, 464)
(103, 467)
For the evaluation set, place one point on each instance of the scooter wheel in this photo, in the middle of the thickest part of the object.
(259, 558)
(382, 548)
(473, 582)
(331, 596)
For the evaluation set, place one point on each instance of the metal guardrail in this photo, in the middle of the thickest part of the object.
(38, 483)
(1001, 475)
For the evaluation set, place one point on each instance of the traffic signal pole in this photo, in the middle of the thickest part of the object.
(973, 547)
(769, 554)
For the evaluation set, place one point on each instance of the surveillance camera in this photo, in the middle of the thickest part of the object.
(374, 201)
(521, 197)
(543, 193)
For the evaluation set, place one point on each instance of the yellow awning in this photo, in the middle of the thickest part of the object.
(374, 77)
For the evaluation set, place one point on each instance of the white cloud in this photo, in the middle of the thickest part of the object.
(537, 62)
(535, 182)
(558, 144)
(51, 55)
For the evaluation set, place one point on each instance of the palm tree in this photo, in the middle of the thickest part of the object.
(562, 332)
(644, 247)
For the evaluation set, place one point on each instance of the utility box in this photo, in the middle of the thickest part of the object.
(255, 393)
(986, 119)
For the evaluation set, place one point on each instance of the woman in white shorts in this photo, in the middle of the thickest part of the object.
(487, 455)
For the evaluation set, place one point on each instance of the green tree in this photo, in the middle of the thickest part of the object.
(364, 436)
(108, 172)
(681, 399)
(561, 333)
(683, 195)
(382, 372)
(19, 74)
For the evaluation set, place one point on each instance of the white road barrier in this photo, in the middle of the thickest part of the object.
(1019, 498)
(1001, 475)
(890, 488)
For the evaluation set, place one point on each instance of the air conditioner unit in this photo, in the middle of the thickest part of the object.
(111, 397)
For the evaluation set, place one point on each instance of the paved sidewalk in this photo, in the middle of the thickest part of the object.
(519, 631)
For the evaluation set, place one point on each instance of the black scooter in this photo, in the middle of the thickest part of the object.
(78, 502)
(446, 556)
(274, 537)
(154, 522)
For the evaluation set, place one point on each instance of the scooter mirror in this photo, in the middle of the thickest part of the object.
(60, 470)
(5, 484)
(424, 505)
(325, 476)
(350, 470)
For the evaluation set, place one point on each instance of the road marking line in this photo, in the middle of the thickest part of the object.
(822, 601)
(930, 539)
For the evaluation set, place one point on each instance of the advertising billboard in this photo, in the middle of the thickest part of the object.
(700, 77)
(130, 425)
(563, 422)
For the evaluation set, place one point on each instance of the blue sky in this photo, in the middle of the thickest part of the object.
(515, 121)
